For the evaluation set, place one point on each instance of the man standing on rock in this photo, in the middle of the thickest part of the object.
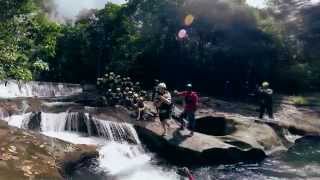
(265, 94)
(190, 106)
(165, 106)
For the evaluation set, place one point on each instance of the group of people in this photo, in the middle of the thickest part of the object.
(123, 91)
(163, 102)
(164, 105)
(119, 90)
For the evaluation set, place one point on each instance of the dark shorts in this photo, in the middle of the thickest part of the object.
(164, 115)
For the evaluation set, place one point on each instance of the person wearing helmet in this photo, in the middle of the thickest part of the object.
(165, 106)
(265, 94)
(190, 106)
(185, 173)
(155, 94)
(155, 91)
(118, 96)
(137, 87)
(140, 108)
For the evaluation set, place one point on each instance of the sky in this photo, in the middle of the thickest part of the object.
(70, 8)
(257, 3)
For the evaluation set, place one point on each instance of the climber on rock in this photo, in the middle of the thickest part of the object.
(190, 106)
(265, 97)
(164, 104)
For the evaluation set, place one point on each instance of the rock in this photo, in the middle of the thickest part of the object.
(82, 155)
(217, 140)
(35, 121)
(39, 160)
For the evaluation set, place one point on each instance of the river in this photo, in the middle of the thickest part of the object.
(121, 160)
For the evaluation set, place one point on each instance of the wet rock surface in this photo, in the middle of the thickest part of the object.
(226, 132)
(25, 154)
(245, 141)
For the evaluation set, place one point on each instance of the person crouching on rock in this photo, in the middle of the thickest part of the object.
(265, 94)
(140, 108)
(190, 106)
(165, 106)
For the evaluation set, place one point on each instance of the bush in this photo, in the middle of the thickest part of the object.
(300, 101)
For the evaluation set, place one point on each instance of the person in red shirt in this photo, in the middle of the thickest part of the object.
(190, 107)
(185, 174)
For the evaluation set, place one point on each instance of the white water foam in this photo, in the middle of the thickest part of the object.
(12, 89)
(53, 122)
(18, 121)
(131, 162)
(121, 160)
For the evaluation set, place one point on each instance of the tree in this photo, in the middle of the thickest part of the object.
(27, 39)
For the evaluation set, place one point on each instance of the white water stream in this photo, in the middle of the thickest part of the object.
(119, 159)
(12, 89)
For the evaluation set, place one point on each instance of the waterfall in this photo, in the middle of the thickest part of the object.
(131, 162)
(53, 122)
(12, 89)
(115, 131)
(3, 114)
(82, 123)
(120, 153)
(19, 121)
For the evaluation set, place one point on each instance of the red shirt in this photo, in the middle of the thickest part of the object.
(191, 177)
(191, 100)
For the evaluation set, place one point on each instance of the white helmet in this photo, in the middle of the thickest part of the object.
(162, 85)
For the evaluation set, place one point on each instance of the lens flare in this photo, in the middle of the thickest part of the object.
(188, 20)
(182, 34)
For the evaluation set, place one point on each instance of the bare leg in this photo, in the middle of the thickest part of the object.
(139, 114)
(163, 123)
(165, 126)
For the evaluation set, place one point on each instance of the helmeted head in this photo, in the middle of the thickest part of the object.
(189, 87)
(162, 87)
(156, 81)
(183, 171)
(118, 89)
(265, 84)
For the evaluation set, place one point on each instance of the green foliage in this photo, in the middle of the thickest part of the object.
(299, 101)
(227, 40)
(105, 40)
(27, 40)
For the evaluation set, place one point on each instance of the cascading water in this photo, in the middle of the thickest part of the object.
(118, 158)
(4, 113)
(11, 89)
(53, 122)
(19, 121)
(131, 162)
(114, 131)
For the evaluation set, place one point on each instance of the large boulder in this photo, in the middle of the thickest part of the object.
(217, 140)
(25, 155)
